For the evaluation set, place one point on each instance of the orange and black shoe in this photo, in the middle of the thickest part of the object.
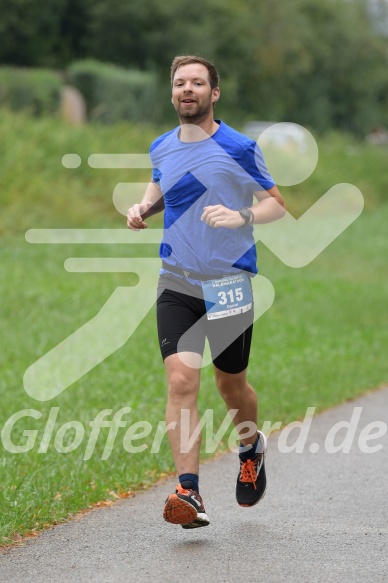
(252, 481)
(186, 508)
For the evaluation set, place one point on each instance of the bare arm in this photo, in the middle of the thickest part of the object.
(151, 204)
(270, 207)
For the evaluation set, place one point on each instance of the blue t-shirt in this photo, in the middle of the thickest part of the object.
(225, 168)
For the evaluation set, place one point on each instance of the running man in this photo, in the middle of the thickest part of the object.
(205, 177)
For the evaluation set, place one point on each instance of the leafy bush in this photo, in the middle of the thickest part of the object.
(112, 93)
(35, 90)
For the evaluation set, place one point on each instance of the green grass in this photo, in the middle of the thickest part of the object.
(322, 342)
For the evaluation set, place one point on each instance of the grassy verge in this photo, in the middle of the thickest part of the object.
(320, 344)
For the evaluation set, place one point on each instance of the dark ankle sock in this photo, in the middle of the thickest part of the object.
(249, 452)
(189, 481)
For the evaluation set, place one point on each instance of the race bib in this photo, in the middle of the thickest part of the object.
(228, 296)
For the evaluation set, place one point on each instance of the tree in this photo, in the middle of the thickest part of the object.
(321, 64)
(45, 36)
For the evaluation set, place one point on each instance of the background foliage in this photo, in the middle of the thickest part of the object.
(113, 93)
(321, 64)
(36, 90)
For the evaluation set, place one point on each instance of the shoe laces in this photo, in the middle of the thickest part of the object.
(248, 471)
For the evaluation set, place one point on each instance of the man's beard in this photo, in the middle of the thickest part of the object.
(194, 117)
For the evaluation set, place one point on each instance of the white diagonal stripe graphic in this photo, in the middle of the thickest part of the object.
(111, 161)
(93, 236)
(97, 339)
(297, 242)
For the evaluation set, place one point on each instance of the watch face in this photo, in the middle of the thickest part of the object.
(245, 214)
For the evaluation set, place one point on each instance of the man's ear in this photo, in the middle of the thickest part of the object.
(216, 94)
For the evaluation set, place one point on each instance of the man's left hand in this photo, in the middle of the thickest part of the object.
(219, 216)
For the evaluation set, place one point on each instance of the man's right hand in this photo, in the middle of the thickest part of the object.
(135, 214)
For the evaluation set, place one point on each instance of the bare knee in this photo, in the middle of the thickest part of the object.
(180, 385)
(183, 381)
(231, 386)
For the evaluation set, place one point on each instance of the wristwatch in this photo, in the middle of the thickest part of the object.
(247, 215)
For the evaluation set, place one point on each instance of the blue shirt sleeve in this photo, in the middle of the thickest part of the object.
(257, 168)
(156, 175)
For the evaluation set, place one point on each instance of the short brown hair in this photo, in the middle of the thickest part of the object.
(182, 60)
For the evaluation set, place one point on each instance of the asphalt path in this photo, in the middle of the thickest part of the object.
(323, 519)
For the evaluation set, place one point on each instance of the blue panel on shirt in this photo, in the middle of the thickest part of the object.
(247, 154)
(245, 261)
(181, 197)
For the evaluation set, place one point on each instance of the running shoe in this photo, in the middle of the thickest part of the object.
(252, 481)
(186, 508)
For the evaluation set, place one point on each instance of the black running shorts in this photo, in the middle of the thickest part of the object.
(183, 326)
